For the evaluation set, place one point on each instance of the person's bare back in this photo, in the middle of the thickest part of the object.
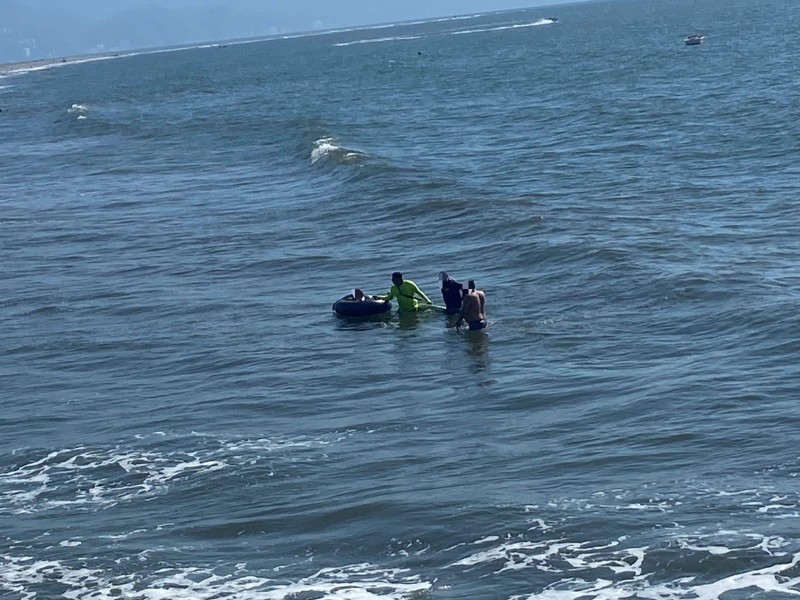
(474, 309)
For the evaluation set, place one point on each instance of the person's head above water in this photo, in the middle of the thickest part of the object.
(397, 278)
(443, 276)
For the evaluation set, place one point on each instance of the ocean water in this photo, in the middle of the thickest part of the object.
(183, 417)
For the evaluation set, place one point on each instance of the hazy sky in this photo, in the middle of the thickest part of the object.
(51, 28)
(359, 12)
(339, 12)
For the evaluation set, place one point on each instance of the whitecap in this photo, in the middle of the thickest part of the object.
(379, 40)
(105, 476)
(504, 27)
(329, 148)
(28, 577)
(322, 148)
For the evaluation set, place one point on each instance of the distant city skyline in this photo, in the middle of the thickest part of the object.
(33, 29)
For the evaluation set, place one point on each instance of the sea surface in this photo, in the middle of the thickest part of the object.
(182, 416)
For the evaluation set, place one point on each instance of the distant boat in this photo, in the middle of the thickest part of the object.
(694, 39)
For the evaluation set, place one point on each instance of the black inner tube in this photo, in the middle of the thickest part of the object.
(350, 307)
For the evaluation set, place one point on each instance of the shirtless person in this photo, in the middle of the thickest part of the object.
(473, 310)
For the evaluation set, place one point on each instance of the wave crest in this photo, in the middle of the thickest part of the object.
(328, 148)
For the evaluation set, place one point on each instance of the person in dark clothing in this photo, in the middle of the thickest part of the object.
(451, 294)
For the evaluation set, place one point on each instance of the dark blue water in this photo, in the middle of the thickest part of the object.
(184, 417)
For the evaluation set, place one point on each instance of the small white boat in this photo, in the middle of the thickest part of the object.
(694, 39)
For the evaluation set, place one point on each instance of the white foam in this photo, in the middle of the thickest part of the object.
(763, 579)
(487, 539)
(726, 542)
(503, 27)
(656, 506)
(773, 507)
(25, 576)
(540, 524)
(123, 536)
(748, 492)
(104, 477)
(379, 40)
(516, 555)
(168, 473)
(583, 567)
(322, 148)
(329, 148)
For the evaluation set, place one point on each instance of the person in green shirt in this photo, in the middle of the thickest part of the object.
(406, 292)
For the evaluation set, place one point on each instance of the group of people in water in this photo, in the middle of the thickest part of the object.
(463, 300)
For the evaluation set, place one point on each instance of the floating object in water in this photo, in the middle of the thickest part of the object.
(348, 306)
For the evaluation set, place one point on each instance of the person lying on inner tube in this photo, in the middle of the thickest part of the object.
(406, 292)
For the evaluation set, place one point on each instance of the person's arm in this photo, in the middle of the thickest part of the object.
(389, 295)
(421, 293)
(483, 303)
(461, 314)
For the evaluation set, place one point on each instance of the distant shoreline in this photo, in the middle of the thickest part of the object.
(27, 66)
(44, 63)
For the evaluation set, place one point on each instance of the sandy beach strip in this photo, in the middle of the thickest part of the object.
(46, 63)
(40, 64)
